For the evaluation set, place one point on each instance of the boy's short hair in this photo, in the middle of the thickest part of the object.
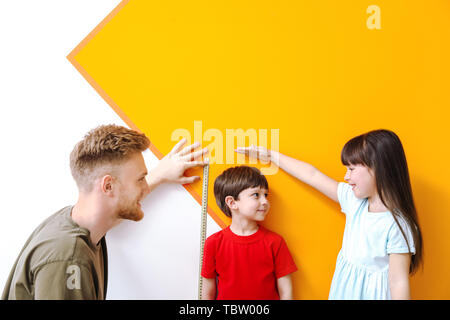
(233, 181)
(101, 149)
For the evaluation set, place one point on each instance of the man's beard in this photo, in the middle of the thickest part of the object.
(130, 210)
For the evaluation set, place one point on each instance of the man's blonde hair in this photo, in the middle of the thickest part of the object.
(101, 149)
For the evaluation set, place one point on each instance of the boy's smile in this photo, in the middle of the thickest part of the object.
(252, 204)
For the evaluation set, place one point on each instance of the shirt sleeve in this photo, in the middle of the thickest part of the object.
(396, 242)
(209, 259)
(64, 281)
(284, 263)
(347, 199)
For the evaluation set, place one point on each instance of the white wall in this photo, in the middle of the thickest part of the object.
(46, 106)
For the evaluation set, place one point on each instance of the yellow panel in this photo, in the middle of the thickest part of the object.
(311, 69)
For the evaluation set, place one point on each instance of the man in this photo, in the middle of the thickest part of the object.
(66, 257)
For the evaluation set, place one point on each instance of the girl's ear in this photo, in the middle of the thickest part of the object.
(371, 171)
(230, 202)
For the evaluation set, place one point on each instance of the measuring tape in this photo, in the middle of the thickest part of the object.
(203, 226)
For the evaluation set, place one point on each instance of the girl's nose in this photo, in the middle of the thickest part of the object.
(347, 175)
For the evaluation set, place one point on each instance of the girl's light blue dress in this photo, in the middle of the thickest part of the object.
(363, 262)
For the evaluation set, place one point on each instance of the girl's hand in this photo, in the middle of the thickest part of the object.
(257, 152)
(303, 171)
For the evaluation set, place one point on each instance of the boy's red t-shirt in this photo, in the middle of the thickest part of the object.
(247, 267)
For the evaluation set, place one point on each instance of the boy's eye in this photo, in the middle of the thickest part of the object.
(256, 194)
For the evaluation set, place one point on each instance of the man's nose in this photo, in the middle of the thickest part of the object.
(146, 189)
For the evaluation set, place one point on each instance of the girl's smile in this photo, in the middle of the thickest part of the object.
(362, 180)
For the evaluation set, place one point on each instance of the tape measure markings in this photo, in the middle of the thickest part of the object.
(203, 226)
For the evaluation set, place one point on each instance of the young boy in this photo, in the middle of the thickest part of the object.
(249, 261)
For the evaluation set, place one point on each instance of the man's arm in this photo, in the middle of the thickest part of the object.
(171, 168)
(64, 281)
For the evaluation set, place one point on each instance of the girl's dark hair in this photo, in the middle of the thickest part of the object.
(234, 180)
(382, 152)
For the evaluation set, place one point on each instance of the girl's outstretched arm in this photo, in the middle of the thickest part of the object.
(303, 171)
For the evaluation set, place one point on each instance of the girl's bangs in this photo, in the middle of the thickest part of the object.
(354, 152)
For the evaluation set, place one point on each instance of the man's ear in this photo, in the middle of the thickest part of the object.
(108, 185)
(230, 202)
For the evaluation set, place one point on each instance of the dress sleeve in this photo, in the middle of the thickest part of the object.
(64, 280)
(284, 263)
(396, 242)
(209, 259)
(347, 199)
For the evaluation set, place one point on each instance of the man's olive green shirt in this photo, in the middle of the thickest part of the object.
(59, 261)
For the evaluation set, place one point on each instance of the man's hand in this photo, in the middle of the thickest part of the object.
(171, 168)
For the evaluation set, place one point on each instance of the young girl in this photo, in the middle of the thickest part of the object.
(382, 241)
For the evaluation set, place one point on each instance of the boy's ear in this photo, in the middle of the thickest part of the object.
(230, 202)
